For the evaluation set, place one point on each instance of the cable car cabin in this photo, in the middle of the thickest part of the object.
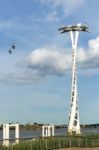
(13, 46)
(10, 51)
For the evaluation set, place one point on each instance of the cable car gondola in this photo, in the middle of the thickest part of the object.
(10, 51)
(13, 46)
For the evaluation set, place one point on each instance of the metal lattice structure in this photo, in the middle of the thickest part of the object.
(74, 124)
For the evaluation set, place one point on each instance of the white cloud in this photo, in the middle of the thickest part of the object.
(90, 58)
(53, 16)
(94, 45)
(48, 17)
(45, 62)
(68, 6)
(10, 24)
(48, 61)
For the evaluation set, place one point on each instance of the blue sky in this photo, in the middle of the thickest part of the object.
(35, 81)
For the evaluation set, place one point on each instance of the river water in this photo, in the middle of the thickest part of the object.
(38, 133)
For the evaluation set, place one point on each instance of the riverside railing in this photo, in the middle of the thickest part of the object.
(52, 143)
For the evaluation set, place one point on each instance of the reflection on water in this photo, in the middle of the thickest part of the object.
(90, 130)
(38, 133)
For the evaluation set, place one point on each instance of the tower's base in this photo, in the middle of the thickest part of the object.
(73, 132)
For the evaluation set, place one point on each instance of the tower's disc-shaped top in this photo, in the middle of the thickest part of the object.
(78, 27)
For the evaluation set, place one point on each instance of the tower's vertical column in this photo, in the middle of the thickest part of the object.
(53, 130)
(4, 131)
(43, 131)
(74, 126)
(17, 133)
(6, 134)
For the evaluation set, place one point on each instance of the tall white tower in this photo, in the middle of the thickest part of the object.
(74, 125)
